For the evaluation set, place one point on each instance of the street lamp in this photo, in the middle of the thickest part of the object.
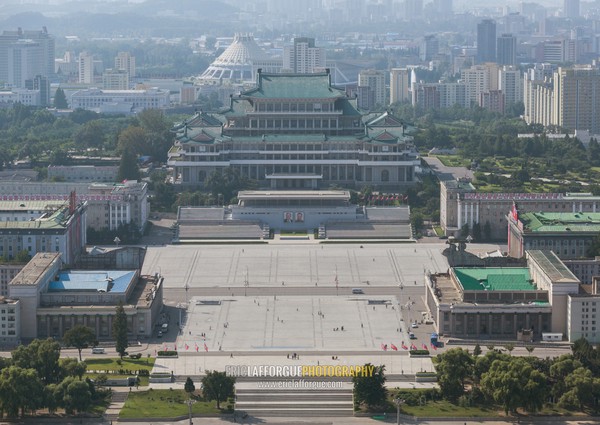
(398, 401)
(189, 402)
(246, 283)
(186, 287)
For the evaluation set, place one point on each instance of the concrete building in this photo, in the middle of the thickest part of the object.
(54, 300)
(25, 61)
(479, 79)
(120, 101)
(439, 95)
(461, 204)
(83, 173)
(429, 47)
(108, 204)
(375, 81)
(124, 61)
(506, 50)
(7, 272)
(115, 79)
(42, 85)
(45, 50)
(295, 131)
(486, 41)
(10, 319)
(23, 96)
(586, 269)
(510, 83)
(505, 303)
(59, 228)
(400, 85)
(577, 98)
(571, 8)
(86, 68)
(492, 100)
(569, 235)
(303, 57)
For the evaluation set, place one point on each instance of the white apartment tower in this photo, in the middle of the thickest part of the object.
(86, 68)
(303, 57)
(510, 82)
(124, 61)
(24, 62)
(375, 80)
(399, 85)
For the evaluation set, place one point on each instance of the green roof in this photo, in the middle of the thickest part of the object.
(561, 222)
(494, 279)
(294, 86)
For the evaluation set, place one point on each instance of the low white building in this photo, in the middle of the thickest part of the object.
(10, 312)
(24, 96)
(111, 101)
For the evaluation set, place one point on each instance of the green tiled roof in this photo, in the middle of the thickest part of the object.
(57, 220)
(494, 279)
(294, 86)
(586, 222)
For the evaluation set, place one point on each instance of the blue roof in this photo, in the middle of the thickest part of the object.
(114, 281)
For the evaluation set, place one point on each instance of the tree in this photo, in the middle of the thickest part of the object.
(218, 386)
(41, 355)
(189, 386)
(76, 395)
(509, 347)
(71, 367)
(128, 167)
(133, 139)
(80, 337)
(370, 390)
(477, 350)
(119, 330)
(454, 366)
(90, 135)
(20, 389)
(515, 383)
(60, 100)
(529, 349)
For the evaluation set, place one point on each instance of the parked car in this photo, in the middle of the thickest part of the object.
(414, 325)
(160, 334)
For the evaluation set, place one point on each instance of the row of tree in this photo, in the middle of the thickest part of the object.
(570, 381)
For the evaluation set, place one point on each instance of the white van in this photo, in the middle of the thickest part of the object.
(98, 350)
(164, 327)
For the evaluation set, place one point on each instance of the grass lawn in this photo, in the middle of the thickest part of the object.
(443, 408)
(454, 160)
(127, 364)
(438, 230)
(163, 404)
(144, 380)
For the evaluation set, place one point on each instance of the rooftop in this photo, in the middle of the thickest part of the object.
(114, 281)
(494, 279)
(294, 194)
(552, 266)
(30, 205)
(57, 220)
(31, 273)
(539, 222)
(294, 86)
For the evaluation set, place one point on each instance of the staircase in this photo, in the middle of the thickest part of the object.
(301, 402)
(117, 401)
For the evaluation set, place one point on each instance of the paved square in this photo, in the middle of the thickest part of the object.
(299, 323)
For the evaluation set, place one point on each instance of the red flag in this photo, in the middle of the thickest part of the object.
(424, 347)
(196, 345)
(382, 346)
(187, 347)
(404, 347)
(394, 347)
(205, 347)
(433, 346)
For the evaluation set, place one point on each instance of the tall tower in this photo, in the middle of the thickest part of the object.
(571, 9)
(506, 51)
(486, 41)
(86, 68)
(303, 57)
(24, 62)
(375, 81)
(399, 85)
(124, 61)
(46, 53)
(577, 99)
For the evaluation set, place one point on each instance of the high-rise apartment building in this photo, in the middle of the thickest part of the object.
(479, 79)
(486, 41)
(15, 41)
(570, 100)
(577, 98)
(43, 85)
(303, 57)
(86, 68)
(375, 80)
(115, 79)
(400, 85)
(24, 62)
(506, 50)
(429, 47)
(124, 61)
(510, 82)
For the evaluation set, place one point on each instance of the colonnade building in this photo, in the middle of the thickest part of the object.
(52, 300)
(295, 131)
(510, 302)
(461, 204)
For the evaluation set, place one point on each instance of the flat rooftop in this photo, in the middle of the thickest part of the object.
(494, 279)
(552, 266)
(113, 281)
(7, 203)
(35, 268)
(548, 222)
(293, 194)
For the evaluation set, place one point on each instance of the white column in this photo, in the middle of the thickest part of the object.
(459, 215)
(477, 212)
(471, 220)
